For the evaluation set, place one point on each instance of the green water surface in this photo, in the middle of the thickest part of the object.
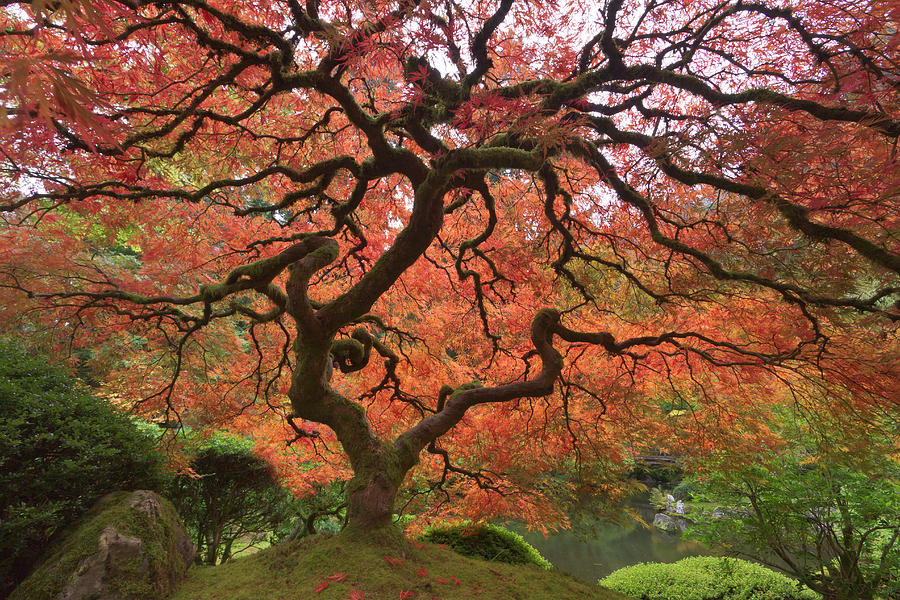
(612, 546)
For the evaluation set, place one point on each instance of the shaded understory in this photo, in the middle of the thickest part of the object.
(373, 567)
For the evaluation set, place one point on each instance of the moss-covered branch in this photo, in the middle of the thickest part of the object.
(466, 396)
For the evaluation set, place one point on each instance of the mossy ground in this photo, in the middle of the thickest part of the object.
(376, 567)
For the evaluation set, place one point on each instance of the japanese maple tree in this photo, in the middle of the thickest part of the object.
(544, 221)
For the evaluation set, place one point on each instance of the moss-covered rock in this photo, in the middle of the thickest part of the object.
(129, 546)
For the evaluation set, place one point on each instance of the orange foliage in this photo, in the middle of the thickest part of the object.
(705, 196)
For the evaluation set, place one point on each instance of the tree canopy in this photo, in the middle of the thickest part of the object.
(498, 238)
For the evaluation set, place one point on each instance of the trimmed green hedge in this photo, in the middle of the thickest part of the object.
(705, 578)
(487, 542)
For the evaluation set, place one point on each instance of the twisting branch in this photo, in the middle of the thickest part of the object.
(468, 395)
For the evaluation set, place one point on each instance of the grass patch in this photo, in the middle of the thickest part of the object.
(376, 566)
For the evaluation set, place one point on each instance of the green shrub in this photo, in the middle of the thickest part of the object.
(61, 449)
(658, 499)
(685, 490)
(705, 578)
(487, 542)
(837, 513)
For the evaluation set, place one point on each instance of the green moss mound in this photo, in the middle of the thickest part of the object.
(705, 578)
(376, 566)
(488, 542)
(160, 549)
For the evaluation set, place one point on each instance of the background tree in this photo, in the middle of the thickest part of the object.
(323, 510)
(812, 510)
(231, 499)
(536, 216)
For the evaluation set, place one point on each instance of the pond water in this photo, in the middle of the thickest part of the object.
(612, 546)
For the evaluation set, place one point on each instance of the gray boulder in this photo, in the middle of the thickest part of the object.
(669, 523)
(129, 546)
